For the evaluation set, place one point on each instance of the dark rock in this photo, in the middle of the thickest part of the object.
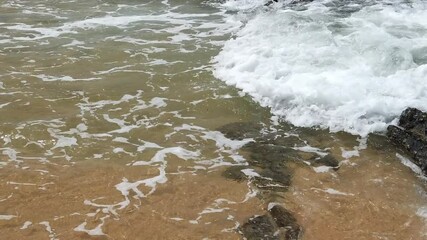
(270, 156)
(277, 224)
(292, 2)
(277, 139)
(327, 160)
(379, 142)
(411, 134)
(235, 173)
(261, 227)
(315, 137)
(414, 144)
(274, 180)
(415, 121)
(241, 130)
(272, 160)
(270, 2)
(284, 219)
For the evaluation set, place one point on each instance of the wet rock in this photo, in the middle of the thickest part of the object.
(272, 160)
(415, 121)
(274, 180)
(414, 144)
(315, 137)
(277, 139)
(260, 227)
(270, 2)
(327, 160)
(241, 130)
(379, 142)
(235, 173)
(270, 156)
(270, 153)
(284, 219)
(411, 134)
(277, 224)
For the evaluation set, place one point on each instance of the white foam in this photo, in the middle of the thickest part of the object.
(310, 149)
(158, 102)
(23, 184)
(354, 73)
(4, 105)
(161, 155)
(97, 231)
(322, 169)
(212, 210)
(272, 204)
(7, 217)
(405, 161)
(250, 172)
(65, 142)
(349, 154)
(12, 154)
(26, 225)
(336, 192)
(8, 197)
(6, 139)
(52, 234)
(121, 123)
(74, 43)
(243, 5)
(422, 212)
(48, 78)
(146, 145)
(356, 149)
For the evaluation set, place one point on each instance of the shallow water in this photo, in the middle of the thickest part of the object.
(108, 118)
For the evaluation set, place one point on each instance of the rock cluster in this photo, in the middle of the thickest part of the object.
(269, 158)
(411, 135)
(277, 224)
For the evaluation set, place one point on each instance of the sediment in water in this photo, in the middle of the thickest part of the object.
(277, 153)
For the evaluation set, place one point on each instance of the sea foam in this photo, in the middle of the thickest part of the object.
(352, 70)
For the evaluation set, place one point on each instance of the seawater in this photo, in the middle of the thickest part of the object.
(109, 111)
(349, 66)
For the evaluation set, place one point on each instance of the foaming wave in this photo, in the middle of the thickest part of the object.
(353, 70)
(239, 5)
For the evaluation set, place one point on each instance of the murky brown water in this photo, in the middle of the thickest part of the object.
(108, 114)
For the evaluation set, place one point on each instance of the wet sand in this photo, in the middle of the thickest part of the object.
(175, 211)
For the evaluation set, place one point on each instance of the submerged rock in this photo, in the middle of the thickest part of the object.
(280, 140)
(328, 161)
(277, 224)
(411, 134)
(274, 180)
(241, 130)
(270, 154)
(285, 220)
(260, 227)
(379, 143)
(235, 173)
(270, 160)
